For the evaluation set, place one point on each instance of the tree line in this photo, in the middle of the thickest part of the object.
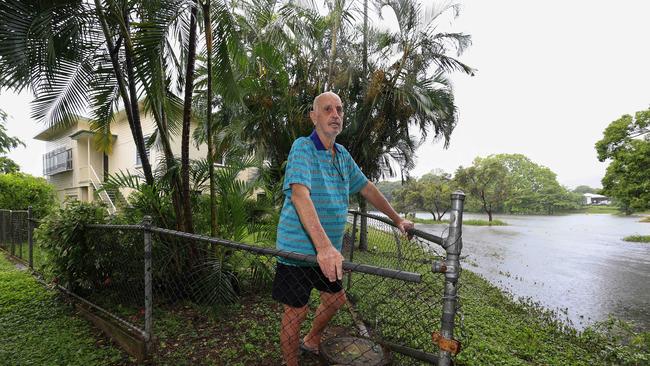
(503, 183)
(245, 70)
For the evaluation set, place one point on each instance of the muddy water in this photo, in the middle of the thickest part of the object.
(575, 264)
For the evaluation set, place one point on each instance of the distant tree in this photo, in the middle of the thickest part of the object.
(436, 190)
(626, 143)
(387, 188)
(534, 188)
(7, 143)
(584, 189)
(620, 132)
(487, 181)
(408, 198)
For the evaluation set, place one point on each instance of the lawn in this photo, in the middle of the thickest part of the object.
(493, 327)
(38, 329)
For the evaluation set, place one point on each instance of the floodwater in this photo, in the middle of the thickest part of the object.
(576, 264)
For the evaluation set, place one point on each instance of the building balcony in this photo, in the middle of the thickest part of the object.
(57, 161)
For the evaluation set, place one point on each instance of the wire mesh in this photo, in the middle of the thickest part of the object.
(13, 233)
(216, 302)
(112, 273)
(396, 313)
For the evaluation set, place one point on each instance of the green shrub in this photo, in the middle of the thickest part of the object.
(84, 259)
(19, 190)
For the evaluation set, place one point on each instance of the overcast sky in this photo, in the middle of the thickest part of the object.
(551, 76)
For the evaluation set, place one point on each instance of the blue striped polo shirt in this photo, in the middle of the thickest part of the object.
(330, 182)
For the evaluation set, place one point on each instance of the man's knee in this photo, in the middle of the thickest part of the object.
(333, 300)
(292, 314)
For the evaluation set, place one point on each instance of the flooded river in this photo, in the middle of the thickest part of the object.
(576, 264)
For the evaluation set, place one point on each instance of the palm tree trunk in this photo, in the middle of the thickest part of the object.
(160, 116)
(365, 38)
(208, 128)
(335, 31)
(187, 115)
(128, 56)
(136, 131)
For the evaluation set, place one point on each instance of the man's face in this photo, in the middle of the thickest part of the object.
(328, 116)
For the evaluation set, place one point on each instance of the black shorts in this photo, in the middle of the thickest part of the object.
(293, 284)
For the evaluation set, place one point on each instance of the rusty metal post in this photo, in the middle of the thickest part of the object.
(354, 238)
(30, 237)
(148, 298)
(12, 237)
(453, 245)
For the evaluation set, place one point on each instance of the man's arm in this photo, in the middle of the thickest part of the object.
(329, 259)
(377, 199)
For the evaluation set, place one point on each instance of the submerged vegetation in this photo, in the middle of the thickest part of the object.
(638, 238)
(471, 222)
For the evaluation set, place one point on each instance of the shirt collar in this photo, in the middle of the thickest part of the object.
(318, 143)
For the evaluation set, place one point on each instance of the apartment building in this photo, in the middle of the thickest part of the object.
(77, 169)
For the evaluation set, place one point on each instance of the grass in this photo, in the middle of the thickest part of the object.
(645, 219)
(472, 222)
(495, 328)
(39, 330)
(494, 222)
(600, 210)
(638, 238)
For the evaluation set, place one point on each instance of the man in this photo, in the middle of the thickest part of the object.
(320, 176)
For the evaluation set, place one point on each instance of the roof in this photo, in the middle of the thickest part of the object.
(593, 195)
(56, 130)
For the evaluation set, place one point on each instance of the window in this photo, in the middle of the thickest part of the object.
(138, 161)
(220, 161)
(57, 161)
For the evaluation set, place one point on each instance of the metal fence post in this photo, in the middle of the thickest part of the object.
(354, 238)
(12, 237)
(30, 238)
(453, 245)
(148, 299)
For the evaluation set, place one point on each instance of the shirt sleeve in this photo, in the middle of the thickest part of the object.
(298, 169)
(357, 179)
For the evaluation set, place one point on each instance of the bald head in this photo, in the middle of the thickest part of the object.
(321, 96)
(327, 116)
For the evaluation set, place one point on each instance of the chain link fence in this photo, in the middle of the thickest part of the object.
(15, 231)
(202, 300)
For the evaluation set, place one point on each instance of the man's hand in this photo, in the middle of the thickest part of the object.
(404, 226)
(331, 263)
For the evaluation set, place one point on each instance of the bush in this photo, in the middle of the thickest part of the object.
(19, 190)
(80, 258)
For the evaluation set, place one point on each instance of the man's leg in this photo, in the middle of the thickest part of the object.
(329, 305)
(290, 333)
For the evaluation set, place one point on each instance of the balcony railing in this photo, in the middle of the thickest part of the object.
(57, 161)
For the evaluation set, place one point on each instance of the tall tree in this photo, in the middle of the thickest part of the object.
(436, 190)
(626, 143)
(406, 89)
(486, 180)
(71, 55)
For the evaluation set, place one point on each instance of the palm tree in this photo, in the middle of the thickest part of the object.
(56, 50)
(404, 90)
